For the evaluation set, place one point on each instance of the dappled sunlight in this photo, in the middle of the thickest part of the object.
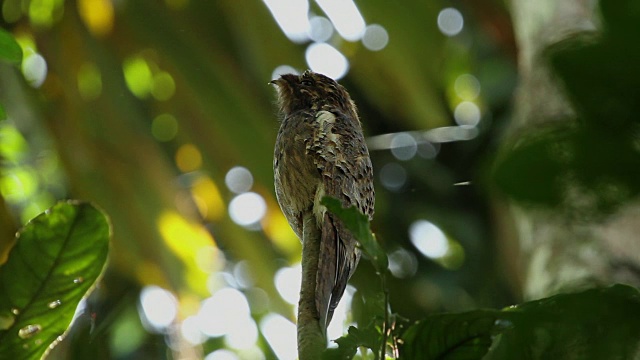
(247, 209)
(346, 18)
(450, 21)
(164, 127)
(34, 68)
(158, 308)
(239, 179)
(278, 230)
(428, 239)
(287, 281)
(185, 239)
(291, 16)
(138, 76)
(393, 176)
(97, 15)
(89, 81)
(325, 59)
(281, 336)
(375, 37)
(208, 198)
(188, 158)
(432, 242)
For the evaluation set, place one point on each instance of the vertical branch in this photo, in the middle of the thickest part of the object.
(311, 337)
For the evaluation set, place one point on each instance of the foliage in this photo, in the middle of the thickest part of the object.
(593, 324)
(57, 259)
(10, 51)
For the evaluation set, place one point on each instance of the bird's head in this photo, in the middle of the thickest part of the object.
(310, 91)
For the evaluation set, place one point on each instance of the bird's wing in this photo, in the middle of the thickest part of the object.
(342, 158)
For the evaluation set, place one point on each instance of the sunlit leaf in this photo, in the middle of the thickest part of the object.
(358, 224)
(57, 258)
(10, 51)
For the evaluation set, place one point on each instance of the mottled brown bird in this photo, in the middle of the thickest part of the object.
(320, 150)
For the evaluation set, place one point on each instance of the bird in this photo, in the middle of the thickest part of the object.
(320, 151)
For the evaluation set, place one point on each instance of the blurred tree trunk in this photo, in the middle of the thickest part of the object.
(561, 251)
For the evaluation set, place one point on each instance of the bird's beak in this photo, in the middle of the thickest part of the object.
(277, 82)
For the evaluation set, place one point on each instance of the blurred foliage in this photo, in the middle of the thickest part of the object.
(595, 157)
(142, 107)
(58, 257)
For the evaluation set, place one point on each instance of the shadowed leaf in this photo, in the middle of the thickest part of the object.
(358, 224)
(10, 51)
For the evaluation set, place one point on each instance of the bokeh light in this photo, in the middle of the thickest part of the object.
(393, 176)
(191, 332)
(89, 81)
(34, 69)
(281, 336)
(239, 179)
(222, 354)
(164, 127)
(451, 133)
(428, 239)
(467, 114)
(188, 158)
(283, 69)
(467, 87)
(97, 15)
(292, 17)
(450, 21)
(403, 264)
(375, 37)
(138, 76)
(163, 86)
(247, 209)
(403, 146)
(219, 312)
(325, 59)
(337, 325)
(321, 29)
(287, 281)
(346, 18)
(159, 308)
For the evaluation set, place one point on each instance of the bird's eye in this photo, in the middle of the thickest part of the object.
(306, 82)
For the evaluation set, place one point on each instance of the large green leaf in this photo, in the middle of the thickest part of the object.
(57, 258)
(10, 51)
(594, 324)
(450, 336)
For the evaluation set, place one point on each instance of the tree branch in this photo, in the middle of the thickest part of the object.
(311, 337)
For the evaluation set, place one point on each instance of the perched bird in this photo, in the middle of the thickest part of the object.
(320, 151)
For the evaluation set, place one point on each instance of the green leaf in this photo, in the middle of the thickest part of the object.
(368, 337)
(58, 257)
(594, 324)
(10, 51)
(358, 224)
(464, 336)
(3, 114)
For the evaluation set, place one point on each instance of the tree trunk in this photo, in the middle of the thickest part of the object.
(560, 251)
